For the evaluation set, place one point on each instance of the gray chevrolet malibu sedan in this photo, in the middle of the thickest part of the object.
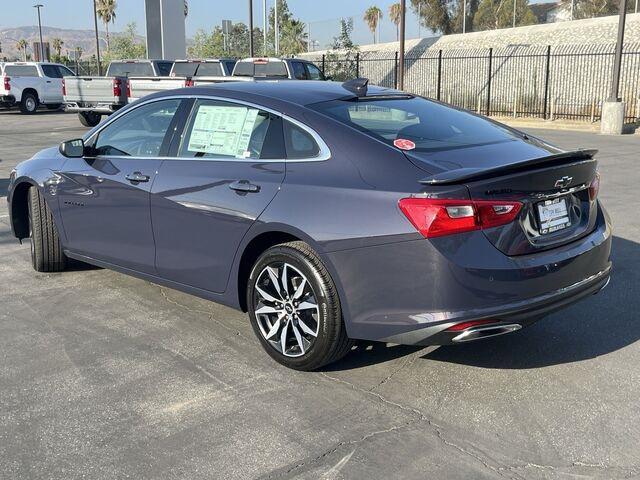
(329, 212)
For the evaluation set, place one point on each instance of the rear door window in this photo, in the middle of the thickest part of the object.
(299, 143)
(224, 130)
(314, 72)
(21, 71)
(299, 72)
(51, 71)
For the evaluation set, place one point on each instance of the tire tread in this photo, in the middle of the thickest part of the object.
(48, 255)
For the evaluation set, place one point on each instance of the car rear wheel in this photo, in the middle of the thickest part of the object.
(89, 119)
(29, 103)
(294, 308)
(46, 250)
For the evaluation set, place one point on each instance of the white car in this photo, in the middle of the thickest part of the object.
(31, 84)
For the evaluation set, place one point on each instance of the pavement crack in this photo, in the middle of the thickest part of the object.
(409, 360)
(421, 417)
(202, 312)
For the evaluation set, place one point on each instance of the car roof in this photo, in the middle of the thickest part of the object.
(301, 93)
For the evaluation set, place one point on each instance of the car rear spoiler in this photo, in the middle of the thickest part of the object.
(466, 174)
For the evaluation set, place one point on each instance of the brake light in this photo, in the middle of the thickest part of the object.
(435, 217)
(64, 87)
(472, 323)
(594, 187)
(128, 88)
(117, 87)
(7, 83)
(188, 82)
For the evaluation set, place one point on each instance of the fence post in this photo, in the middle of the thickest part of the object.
(439, 89)
(546, 82)
(323, 64)
(395, 71)
(357, 64)
(489, 83)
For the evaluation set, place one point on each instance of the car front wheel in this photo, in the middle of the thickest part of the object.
(294, 308)
(46, 249)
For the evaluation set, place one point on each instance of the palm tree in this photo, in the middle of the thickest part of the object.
(394, 15)
(293, 37)
(107, 12)
(22, 45)
(372, 16)
(57, 43)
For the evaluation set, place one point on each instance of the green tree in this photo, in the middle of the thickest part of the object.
(341, 59)
(438, 15)
(293, 38)
(395, 12)
(57, 43)
(494, 14)
(106, 10)
(212, 45)
(595, 8)
(126, 45)
(21, 45)
(372, 16)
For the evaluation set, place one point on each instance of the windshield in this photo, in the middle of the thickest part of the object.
(130, 69)
(414, 123)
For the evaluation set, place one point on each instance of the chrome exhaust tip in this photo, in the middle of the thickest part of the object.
(478, 333)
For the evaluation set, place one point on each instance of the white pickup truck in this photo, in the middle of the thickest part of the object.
(126, 81)
(30, 84)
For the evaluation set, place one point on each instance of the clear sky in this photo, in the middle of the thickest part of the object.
(322, 14)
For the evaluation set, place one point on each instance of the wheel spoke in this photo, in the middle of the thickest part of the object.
(274, 279)
(274, 329)
(298, 293)
(266, 296)
(283, 338)
(307, 306)
(285, 285)
(298, 337)
(305, 328)
(267, 309)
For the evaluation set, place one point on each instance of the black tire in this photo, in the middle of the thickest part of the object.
(29, 103)
(89, 119)
(46, 250)
(331, 342)
(54, 106)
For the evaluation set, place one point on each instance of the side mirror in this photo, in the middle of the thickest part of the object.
(72, 148)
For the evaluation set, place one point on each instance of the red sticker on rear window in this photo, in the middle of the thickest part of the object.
(404, 144)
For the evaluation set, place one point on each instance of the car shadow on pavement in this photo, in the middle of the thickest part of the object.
(4, 186)
(595, 326)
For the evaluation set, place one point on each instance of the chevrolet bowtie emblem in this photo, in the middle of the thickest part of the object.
(563, 182)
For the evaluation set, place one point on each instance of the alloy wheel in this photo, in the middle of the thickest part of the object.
(286, 309)
(31, 104)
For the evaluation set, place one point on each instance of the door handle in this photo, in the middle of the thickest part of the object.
(48, 81)
(244, 186)
(137, 177)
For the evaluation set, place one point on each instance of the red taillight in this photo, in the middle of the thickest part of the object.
(7, 83)
(188, 82)
(128, 89)
(594, 187)
(435, 217)
(117, 87)
(472, 323)
(64, 87)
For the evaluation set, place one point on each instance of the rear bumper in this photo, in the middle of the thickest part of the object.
(411, 292)
(7, 100)
(101, 108)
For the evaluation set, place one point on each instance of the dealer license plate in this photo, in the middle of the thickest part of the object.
(553, 215)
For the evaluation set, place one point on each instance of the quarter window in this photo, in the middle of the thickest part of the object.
(298, 71)
(314, 72)
(300, 144)
(224, 130)
(138, 133)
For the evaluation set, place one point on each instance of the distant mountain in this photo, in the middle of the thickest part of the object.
(84, 39)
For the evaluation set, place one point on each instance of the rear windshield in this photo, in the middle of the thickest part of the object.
(184, 69)
(126, 69)
(269, 69)
(21, 71)
(429, 125)
(209, 69)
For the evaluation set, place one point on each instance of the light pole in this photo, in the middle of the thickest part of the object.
(251, 28)
(276, 29)
(38, 6)
(464, 15)
(514, 13)
(403, 11)
(419, 19)
(612, 120)
(95, 22)
(264, 26)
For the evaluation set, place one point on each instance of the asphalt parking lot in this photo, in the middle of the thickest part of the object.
(107, 376)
